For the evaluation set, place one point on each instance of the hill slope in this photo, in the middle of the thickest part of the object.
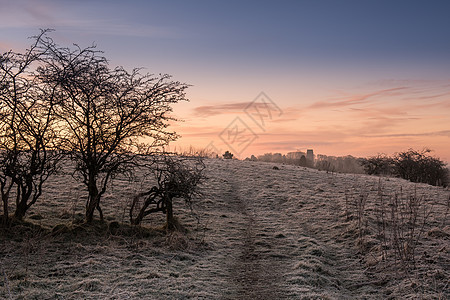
(258, 233)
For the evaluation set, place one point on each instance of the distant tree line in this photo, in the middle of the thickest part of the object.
(413, 165)
(59, 103)
(292, 158)
(341, 164)
(345, 164)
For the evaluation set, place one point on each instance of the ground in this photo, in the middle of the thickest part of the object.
(257, 233)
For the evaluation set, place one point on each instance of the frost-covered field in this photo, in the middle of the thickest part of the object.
(258, 233)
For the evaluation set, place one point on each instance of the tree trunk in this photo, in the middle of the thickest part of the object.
(21, 209)
(99, 208)
(91, 206)
(5, 209)
(26, 189)
(5, 206)
(170, 221)
(93, 202)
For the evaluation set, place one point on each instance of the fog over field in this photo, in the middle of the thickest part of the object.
(260, 231)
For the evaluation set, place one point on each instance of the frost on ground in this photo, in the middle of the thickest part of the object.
(258, 233)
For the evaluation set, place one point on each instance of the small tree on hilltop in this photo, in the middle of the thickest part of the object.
(108, 115)
(227, 155)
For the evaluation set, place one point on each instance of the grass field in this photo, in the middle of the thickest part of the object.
(257, 233)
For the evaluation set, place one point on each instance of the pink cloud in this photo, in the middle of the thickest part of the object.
(445, 133)
(356, 99)
(212, 110)
(228, 108)
(384, 120)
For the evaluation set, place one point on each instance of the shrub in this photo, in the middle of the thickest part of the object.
(419, 166)
(413, 165)
(175, 178)
(227, 155)
(378, 165)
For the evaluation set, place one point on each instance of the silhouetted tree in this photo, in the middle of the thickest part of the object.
(28, 153)
(176, 177)
(378, 165)
(413, 165)
(108, 115)
(227, 155)
(419, 166)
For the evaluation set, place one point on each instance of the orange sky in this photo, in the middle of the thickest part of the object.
(345, 77)
(383, 117)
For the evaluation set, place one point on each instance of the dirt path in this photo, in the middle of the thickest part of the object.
(253, 271)
(278, 236)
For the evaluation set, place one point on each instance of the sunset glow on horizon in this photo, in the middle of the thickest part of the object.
(348, 78)
(385, 121)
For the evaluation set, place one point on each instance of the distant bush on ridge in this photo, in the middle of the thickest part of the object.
(413, 165)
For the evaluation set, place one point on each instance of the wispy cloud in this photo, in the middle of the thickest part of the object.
(20, 14)
(58, 15)
(288, 145)
(289, 114)
(40, 12)
(227, 108)
(356, 99)
(198, 131)
(445, 133)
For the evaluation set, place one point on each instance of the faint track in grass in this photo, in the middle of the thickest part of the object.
(253, 272)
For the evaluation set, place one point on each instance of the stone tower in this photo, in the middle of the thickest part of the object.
(310, 155)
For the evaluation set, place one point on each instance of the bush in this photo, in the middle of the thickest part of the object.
(227, 155)
(378, 165)
(175, 178)
(413, 165)
(419, 166)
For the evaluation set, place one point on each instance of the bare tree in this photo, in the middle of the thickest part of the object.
(380, 164)
(27, 136)
(175, 177)
(420, 166)
(108, 115)
(413, 165)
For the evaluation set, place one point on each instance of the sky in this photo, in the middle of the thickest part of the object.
(340, 77)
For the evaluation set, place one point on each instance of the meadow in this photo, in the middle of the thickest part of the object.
(260, 231)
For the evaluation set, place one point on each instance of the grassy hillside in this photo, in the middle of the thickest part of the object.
(258, 233)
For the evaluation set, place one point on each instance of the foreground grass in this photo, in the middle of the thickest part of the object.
(257, 233)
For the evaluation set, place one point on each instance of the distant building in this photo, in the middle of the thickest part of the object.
(310, 155)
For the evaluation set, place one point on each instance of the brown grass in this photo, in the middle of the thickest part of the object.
(291, 234)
